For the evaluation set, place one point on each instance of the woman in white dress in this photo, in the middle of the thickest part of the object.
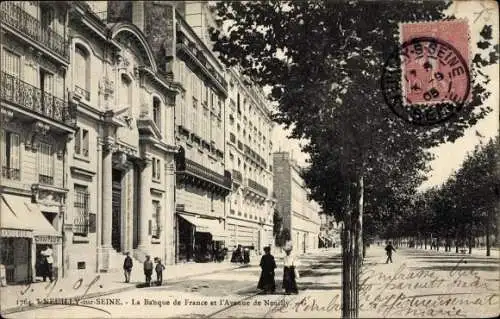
(290, 272)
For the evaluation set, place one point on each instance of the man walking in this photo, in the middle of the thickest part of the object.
(389, 249)
(127, 267)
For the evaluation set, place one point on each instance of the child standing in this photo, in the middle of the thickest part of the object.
(159, 271)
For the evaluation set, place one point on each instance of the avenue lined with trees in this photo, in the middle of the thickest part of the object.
(323, 61)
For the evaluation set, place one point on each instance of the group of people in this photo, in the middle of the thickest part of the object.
(148, 269)
(241, 255)
(267, 264)
(290, 272)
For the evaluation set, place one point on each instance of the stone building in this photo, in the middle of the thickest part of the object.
(300, 215)
(121, 168)
(248, 156)
(36, 124)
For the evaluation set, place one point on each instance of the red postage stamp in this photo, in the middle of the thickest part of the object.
(435, 62)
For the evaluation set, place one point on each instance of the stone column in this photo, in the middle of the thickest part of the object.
(145, 206)
(107, 207)
(169, 212)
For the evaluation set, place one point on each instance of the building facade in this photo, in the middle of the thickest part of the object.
(248, 156)
(36, 124)
(121, 171)
(299, 214)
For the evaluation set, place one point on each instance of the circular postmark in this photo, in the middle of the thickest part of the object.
(426, 81)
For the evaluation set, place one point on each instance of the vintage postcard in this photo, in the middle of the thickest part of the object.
(249, 159)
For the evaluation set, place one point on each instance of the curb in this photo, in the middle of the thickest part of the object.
(113, 291)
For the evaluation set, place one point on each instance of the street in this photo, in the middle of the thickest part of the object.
(420, 283)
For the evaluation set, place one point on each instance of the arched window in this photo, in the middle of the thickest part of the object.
(157, 112)
(82, 71)
(125, 91)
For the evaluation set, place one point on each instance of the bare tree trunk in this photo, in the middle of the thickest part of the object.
(456, 241)
(470, 243)
(347, 262)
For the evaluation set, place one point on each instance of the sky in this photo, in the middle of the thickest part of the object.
(449, 156)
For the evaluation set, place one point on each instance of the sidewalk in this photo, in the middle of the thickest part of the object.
(85, 284)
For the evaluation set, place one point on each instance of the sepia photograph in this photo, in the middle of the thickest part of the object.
(250, 159)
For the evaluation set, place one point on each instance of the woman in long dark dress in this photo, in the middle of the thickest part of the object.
(290, 272)
(267, 264)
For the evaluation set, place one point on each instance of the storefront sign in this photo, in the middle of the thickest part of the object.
(48, 239)
(19, 233)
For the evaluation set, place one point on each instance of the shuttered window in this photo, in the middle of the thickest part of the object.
(45, 163)
(11, 155)
(11, 63)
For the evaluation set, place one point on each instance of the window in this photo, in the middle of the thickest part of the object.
(156, 229)
(125, 91)
(157, 112)
(47, 88)
(232, 138)
(45, 164)
(194, 118)
(156, 169)
(84, 222)
(11, 63)
(11, 159)
(82, 142)
(82, 72)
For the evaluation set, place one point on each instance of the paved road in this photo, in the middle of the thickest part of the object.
(418, 284)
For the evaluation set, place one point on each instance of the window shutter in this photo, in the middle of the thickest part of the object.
(78, 137)
(15, 151)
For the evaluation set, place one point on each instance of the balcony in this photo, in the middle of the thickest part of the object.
(45, 179)
(237, 177)
(82, 92)
(11, 173)
(192, 172)
(32, 98)
(21, 21)
(257, 187)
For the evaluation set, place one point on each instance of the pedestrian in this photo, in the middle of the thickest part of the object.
(127, 266)
(389, 249)
(246, 255)
(148, 269)
(290, 272)
(48, 261)
(267, 264)
(159, 271)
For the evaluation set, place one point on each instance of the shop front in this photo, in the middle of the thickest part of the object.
(200, 238)
(25, 232)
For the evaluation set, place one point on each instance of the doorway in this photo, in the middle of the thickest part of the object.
(117, 209)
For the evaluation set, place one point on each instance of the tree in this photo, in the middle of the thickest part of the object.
(323, 61)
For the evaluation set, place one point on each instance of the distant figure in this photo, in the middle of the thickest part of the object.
(48, 263)
(267, 264)
(127, 267)
(389, 249)
(237, 255)
(290, 272)
(148, 270)
(246, 255)
(159, 271)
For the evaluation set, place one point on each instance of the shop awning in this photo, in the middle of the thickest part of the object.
(205, 225)
(10, 224)
(33, 218)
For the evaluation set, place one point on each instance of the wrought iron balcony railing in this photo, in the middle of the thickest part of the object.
(17, 18)
(206, 173)
(11, 173)
(82, 92)
(45, 179)
(25, 95)
(257, 187)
